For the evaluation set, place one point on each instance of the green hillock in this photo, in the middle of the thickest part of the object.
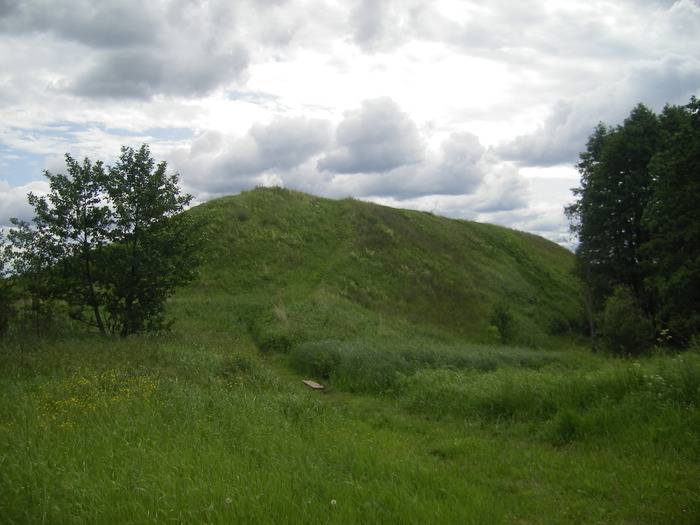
(286, 267)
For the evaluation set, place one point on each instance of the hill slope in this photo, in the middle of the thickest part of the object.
(286, 267)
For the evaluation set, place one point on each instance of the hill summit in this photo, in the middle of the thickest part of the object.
(290, 267)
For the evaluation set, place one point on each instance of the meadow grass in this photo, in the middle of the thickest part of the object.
(378, 366)
(128, 436)
(207, 430)
(634, 392)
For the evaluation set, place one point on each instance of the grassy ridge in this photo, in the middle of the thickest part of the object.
(310, 269)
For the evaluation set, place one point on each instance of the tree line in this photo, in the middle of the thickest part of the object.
(637, 221)
(107, 246)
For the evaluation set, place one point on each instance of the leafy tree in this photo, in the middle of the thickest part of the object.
(607, 216)
(6, 295)
(673, 220)
(111, 242)
(70, 227)
(615, 190)
(637, 218)
(154, 247)
(34, 258)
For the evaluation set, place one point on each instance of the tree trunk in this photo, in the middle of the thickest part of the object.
(92, 300)
(98, 319)
(589, 306)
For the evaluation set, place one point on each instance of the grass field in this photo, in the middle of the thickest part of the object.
(205, 430)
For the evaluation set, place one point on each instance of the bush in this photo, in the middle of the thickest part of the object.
(504, 321)
(625, 329)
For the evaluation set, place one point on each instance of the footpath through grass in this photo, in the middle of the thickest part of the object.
(204, 430)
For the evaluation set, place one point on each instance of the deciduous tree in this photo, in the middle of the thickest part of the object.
(154, 247)
(615, 190)
(607, 216)
(673, 221)
(637, 217)
(6, 295)
(112, 242)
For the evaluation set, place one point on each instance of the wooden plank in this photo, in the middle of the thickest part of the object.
(312, 384)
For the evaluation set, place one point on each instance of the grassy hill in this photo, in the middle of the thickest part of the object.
(421, 421)
(290, 267)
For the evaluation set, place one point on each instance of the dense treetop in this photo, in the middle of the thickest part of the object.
(637, 217)
(109, 243)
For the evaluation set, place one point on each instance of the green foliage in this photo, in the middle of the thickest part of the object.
(7, 296)
(614, 192)
(111, 244)
(636, 215)
(504, 321)
(33, 259)
(191, 435)
(673, 220)
(625, 328)
(70, 227)
(414, 426)
(381, 368)
(568, 401)
(154, 248)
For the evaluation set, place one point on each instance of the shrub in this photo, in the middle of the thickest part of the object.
(625, 329)
(504, 321)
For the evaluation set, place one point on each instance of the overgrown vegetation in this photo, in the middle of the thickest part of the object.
(199, 428)
(426, 415)
(380, 368)
(624, 327)
(352, 269)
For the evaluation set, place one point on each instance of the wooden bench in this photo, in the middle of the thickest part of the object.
(312, 384)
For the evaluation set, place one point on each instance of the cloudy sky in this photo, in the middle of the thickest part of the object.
(469, 109)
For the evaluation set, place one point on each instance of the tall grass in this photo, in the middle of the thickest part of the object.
(381, 366)
(214, 438)
(273, 245)
(659, 397)
(199, 430)
(210, 424)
